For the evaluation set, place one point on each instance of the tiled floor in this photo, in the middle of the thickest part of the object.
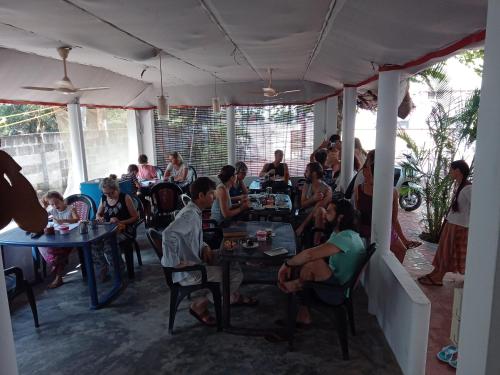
(418, 262)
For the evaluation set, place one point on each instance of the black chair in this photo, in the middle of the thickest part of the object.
(340, 298)
(16, 285)
(166, 200)
(179, 292)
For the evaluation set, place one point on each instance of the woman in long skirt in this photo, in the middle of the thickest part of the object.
(452, 249)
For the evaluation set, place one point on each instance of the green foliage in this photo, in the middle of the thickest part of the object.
(432, 163)
(468, 118)
(433, 77)
(473, 59)
(34, 122)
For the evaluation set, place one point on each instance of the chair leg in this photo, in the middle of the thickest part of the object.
(138, 252)
(341, 320)
(218, 305)
(350, 315)
(174, 303)
(32, 302)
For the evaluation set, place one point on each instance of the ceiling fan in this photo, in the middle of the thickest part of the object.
(65, 85)
(270, 92)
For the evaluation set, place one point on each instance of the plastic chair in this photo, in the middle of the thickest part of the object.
(16, 285)
(166, 200)
(185, 199)
(340, 298)
(177, 291)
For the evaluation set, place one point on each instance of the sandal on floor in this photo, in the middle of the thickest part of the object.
(204, 318)
(298, 325)
(427, 280)
(245, 301)
(453, 360)
(446, 353)
(413, 244)
(275, 338)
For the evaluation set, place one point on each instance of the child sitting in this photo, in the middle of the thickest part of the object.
(57, 257)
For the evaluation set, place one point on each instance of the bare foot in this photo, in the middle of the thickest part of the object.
(58, 281)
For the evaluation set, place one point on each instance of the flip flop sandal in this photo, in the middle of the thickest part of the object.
(245, 301)
(446, 353)
(427, 280)
(453, 360)
(209, 321)
(413, 244)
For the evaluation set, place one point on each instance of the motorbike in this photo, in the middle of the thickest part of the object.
(407, 182)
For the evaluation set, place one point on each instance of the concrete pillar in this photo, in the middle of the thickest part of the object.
(134, 132)
(8, 350)
(79, 163)
(231, 135)
(147, 124)
(319, 133)
(387, 114)
(331, 115)
(480, 324)
(348, 125)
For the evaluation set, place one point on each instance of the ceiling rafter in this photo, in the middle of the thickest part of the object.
(211, 14)
(333, 11)
(154, 48)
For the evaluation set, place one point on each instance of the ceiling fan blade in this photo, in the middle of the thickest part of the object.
(92, 88)
(288, 92)
(39, 88)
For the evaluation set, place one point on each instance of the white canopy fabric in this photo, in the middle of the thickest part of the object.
(315, 46)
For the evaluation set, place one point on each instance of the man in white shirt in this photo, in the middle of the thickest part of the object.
(183, 245)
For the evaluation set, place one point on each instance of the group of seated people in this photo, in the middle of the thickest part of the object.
(183, 245)
(114, 207)
(347, 221)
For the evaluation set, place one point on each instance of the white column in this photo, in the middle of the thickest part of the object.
(331, 115)
(8, 351)
(147, 122)
(348, 124)
(319, 133)
(79, 164)
(385, 144)
(231, 135)
(480, 324)
(134, 132)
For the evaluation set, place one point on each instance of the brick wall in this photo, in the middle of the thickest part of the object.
(43, 158)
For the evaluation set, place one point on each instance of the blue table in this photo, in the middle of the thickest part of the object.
(18, 237)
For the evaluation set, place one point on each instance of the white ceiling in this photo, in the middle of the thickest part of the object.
(316, 46)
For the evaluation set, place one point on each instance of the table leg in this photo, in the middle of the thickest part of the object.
(226, 298)
(89, 267)
(36, 263)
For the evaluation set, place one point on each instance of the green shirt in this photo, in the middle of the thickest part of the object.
(352, 252)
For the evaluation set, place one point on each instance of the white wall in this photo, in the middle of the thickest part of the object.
(402, 310)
